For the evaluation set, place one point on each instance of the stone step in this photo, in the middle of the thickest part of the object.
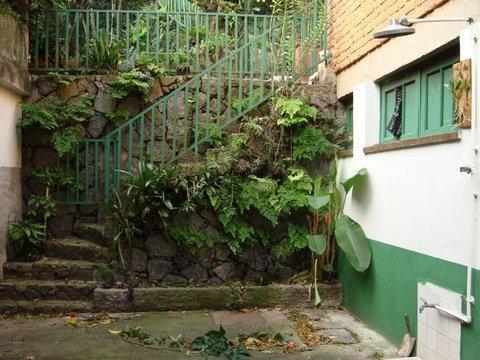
(31, 290)
(92, 232)
(44, 307)
(75, 249)
(51, 269)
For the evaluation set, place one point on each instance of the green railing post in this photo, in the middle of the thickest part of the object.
(106, 170)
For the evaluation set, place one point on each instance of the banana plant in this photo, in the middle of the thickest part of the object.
(330, 227)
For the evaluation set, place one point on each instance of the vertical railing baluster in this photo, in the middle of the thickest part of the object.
(186, 116)
(157, 37)
(196, 118)
(137, 31)
(208, 77)
(57, 41)
(163, 119)
(130, 147)
(106, 164)
(87, 187)
(118, 161)
(87, 39)
(197, 43)
(141, 139)
(240, 83)
(77, 38)
(127, 50)
(77, 176)
(36, 51)
(96, 159)
(177, 40)
(229, 92)
(47, 37)
(152, 133)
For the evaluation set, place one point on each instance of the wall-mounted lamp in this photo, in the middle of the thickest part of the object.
(401, 26)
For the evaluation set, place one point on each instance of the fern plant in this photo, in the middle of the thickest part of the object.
(60, 120)
(131, 82)
(294, 112)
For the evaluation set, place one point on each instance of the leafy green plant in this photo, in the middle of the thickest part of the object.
(191, 238)
(147, 63)
(60, 120)
(310, 142)
(104, 52)
(107, 274)
(26, 236)
(136, 334)
(41, 205)
(62, 78)
(243, 103)
(177, 342)
(131, 82)
(215, 343)
(118, 116)
(124, 216)
(213, 134)
(50, 177)
(336, 227)
(238, 294)
(294, 112)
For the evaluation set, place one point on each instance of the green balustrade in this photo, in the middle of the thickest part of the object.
(68, 39)
(236, 60)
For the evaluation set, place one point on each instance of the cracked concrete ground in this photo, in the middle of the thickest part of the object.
(341, 336)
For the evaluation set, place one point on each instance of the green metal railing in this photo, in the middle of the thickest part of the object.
(229, 82)
(178, 124)
(62, 39)
(179, 6)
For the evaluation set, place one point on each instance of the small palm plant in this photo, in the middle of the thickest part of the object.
(330, 227)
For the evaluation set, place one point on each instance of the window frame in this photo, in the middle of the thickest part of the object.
(349, 123)
(418, 75)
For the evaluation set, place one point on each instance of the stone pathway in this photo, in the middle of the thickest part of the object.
(339, 334)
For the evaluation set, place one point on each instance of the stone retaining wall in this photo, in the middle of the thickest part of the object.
(158, 259)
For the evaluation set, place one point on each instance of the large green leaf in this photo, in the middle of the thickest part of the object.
(352, 240)
(351, 182)
(318, 202)
(317, 243)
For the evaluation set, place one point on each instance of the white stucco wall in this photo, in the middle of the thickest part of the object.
(415, 198)
(10, 142)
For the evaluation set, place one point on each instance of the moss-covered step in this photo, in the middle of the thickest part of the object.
(73, 248)
(92, 232)
(44, 307)
(51, 269)
(212, 298)
(32, 290)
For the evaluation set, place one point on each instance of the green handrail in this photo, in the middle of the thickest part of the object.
(175, 125)
(65, 39)
(234, 83)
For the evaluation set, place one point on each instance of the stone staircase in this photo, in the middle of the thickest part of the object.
(62, 281)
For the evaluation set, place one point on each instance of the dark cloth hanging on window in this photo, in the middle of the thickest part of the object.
(395, 125)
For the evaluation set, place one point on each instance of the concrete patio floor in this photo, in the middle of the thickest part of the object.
(341, 335)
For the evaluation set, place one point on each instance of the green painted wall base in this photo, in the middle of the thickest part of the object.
(388, 289)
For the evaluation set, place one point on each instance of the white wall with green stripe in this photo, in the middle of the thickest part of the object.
(416, 206)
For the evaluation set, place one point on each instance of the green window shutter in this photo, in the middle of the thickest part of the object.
(410, 107)
(437, 101)
(349, 125)
(410, 110)
(427, 106)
